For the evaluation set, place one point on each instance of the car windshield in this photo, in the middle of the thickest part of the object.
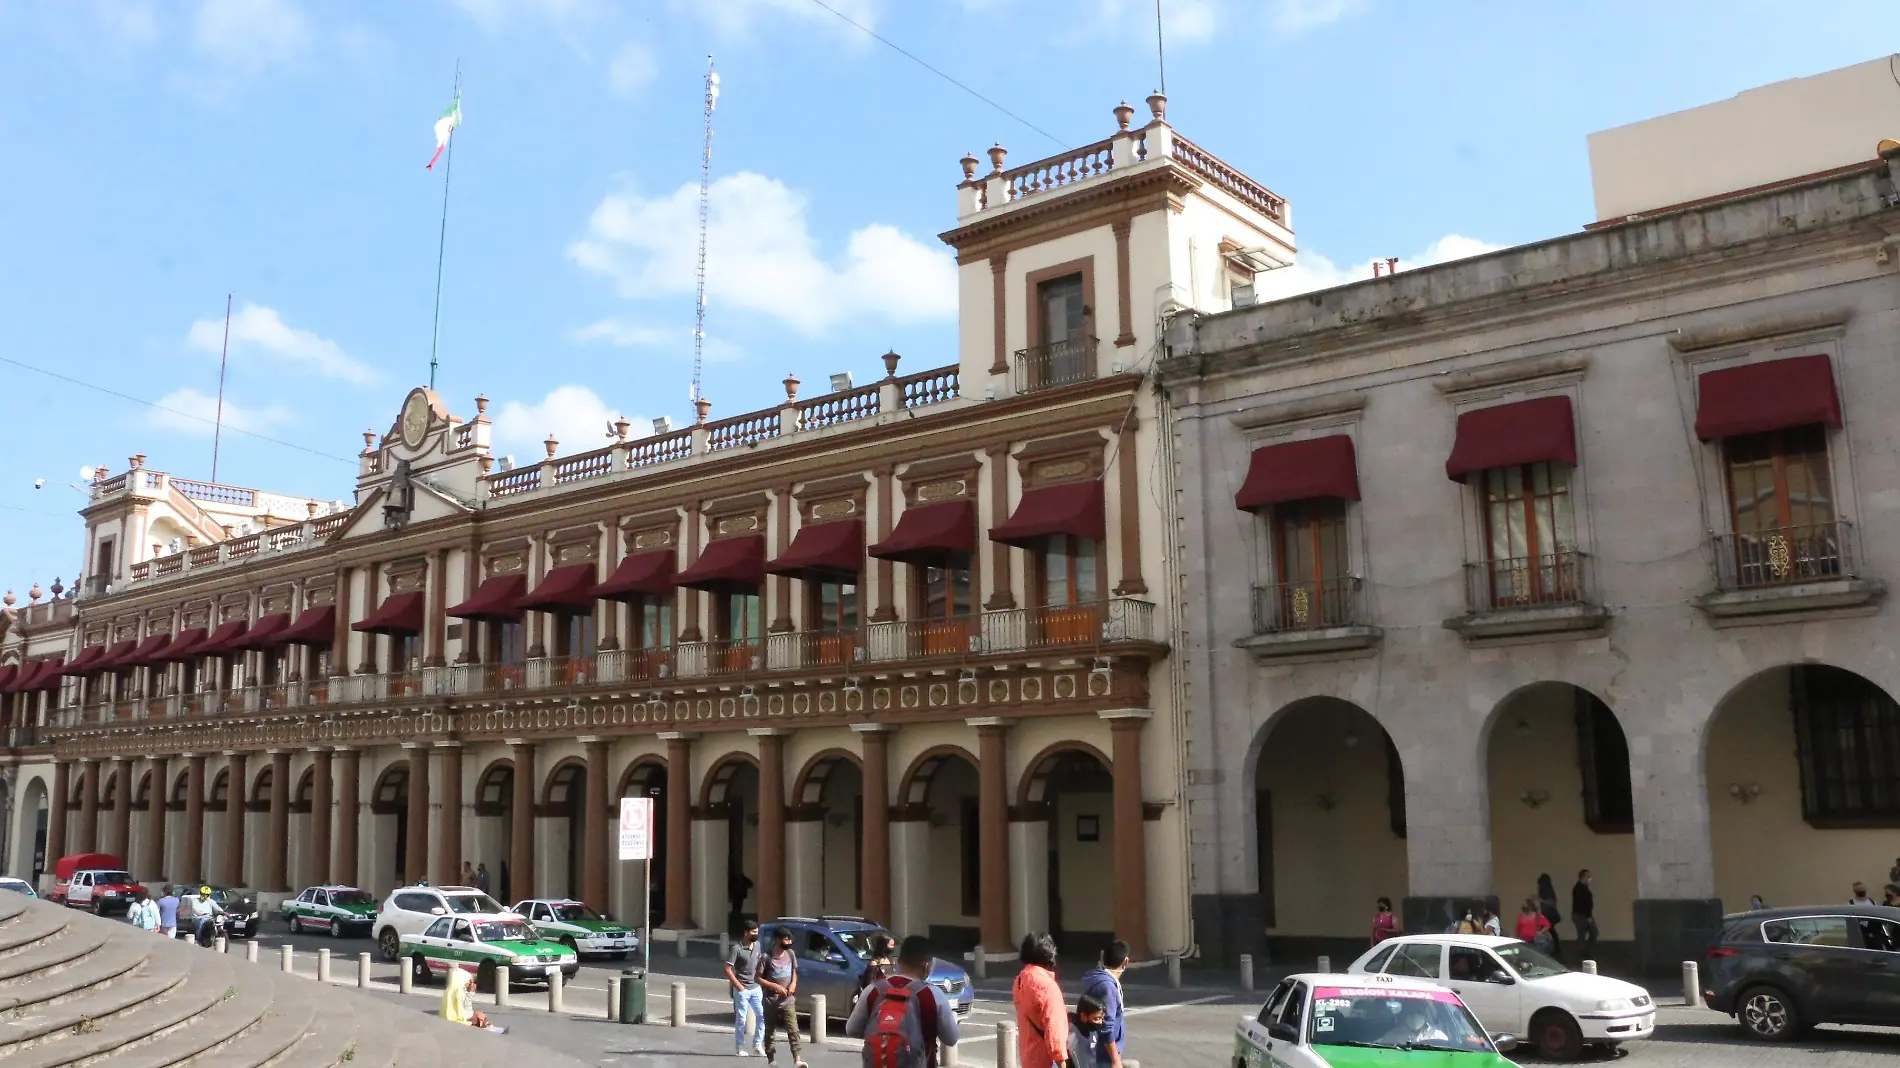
(1529, 961)
(1394, 1018)
(347, 898)
(575, 911)
(107, 878)
(503, 931)
(859, 942)
(472, 903)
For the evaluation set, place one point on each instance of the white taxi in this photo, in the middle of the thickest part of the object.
(1360, 1021)
(578, 927)
(1513, 986)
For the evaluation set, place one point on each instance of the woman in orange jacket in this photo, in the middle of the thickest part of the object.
(1042, 1017)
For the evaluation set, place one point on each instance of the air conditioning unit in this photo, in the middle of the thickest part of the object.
(662, 425)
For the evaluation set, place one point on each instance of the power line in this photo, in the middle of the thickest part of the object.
(172, 411)
(880, 38)
(36, 511)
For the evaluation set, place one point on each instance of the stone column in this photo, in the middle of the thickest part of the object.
(122, 810)
(317, 845)
(151, 863)
(993, 831)
(594, 825)
(521, 816)
(276, 878)
(1131, 837)
(679, 830)
(771, 820)
(88, 807)
(448, 818)
(1002, 586)
(349, 815)
(416, 862)
(882, 570)
(1676, 914)
(191, 866)
(234, 805)
(875, 859)
(56, 812)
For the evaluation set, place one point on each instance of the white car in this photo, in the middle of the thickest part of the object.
(580, 928)
(18, 886)
(1513, 986)
(409, 910)
(1362, 1021)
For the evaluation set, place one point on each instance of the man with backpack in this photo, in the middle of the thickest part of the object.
(902, 1019)
(1104, 984)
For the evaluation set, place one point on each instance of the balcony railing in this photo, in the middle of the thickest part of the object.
(1060, 363)
(1314, 605)
(23, 736)
(1785, 556)
(1553, 579)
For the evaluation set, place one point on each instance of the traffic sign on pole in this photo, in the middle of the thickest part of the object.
(636, 828)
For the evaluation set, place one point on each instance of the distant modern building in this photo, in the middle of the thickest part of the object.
(1571, 556)
(898, 649)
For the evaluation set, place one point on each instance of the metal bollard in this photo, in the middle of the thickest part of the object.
(1246, 971)
(1589, 967)
(613, 997)
(405, 976)
(504, 989)
(554, 990)
(678, 1013)
(224, 945)
(323, 965)
(1006, 1046)
(1691, 984)
(818, 1020)
(362, 971)
(947, 1055)
(1325, 965)
(1174, 971)
(289, 961)
(981, 961)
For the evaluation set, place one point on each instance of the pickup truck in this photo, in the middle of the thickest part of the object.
(96, 881)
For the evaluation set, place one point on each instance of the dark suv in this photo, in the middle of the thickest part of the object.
(833, 954)
(1780, 971)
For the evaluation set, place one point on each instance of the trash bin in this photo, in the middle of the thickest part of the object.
(633, 996)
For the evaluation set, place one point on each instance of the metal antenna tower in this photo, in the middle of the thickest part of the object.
(699, 270)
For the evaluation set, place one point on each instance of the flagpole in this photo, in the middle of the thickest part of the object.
(442, 239)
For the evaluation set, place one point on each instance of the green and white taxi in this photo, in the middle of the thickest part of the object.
(1365, 1021)
(578, 927)
(339, 910)
(489, 947)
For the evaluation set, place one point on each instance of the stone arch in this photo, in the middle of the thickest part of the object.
(220, 791)
(262, 783)
(562, 828)
(494, 788)
(645, 776)
(109, 788)
(809, 784)
(566, 775)
(304, 795)
(385, 853)
(1066, 799)
(27, 857)
(1049, 762)
(826, 836)
(713, 790)
(642, 771)
(142, 797)
(180, 791)
(914, 785)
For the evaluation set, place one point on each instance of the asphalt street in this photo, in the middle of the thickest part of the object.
(1170, 1028)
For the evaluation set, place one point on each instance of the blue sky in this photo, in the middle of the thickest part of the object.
(162, 153)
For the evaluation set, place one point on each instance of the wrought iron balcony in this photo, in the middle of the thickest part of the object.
(1559, 578)
(1061, 363)
(1313, 605)
(1785, 556)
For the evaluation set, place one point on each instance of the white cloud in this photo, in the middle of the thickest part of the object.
(632, 69)
(1312, 271)
(189, 411)
(1297, 16)
(630, 335)
(575, 415)
(261, 332)
(249, 36)
(762, 257)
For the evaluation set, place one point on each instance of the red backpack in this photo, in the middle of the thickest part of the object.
(886, 1044)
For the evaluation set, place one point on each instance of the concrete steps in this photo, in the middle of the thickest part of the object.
(76, 990)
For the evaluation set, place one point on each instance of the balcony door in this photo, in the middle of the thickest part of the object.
(738, 625)
(1309, 539)
(946, 603)
(1781, 502)
(575, 643)
(508, 652)
(833, 619)
(1064, 329)
(1069, 572)
(1530, 534)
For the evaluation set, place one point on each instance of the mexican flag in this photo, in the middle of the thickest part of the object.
(444, 126)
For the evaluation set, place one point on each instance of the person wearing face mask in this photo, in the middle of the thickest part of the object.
(1583, 905)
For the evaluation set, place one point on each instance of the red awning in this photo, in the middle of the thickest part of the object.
(116, 655)
(496, 600)
(313, 626)
(183, 647)
(7, 674)
(931, 535)
(824, 552)
(147, 651)
(569, 589)
(648, 574)
(728, 565)
(1071, 508)
(225, 639)
(86, 662)
(266, 633)
(34, 678)
(1527, 432)
(1766, 396)
(1300, 470)
(400, 613)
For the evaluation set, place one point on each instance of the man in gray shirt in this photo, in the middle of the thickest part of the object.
(742, 972)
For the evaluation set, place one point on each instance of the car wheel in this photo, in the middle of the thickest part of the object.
(336, 929)
(389, 945)
(1769, 1014)
(1556, 1036)
(419, 970)
(569, 943)
(98, 909)
(485, 977)
(296, 925)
